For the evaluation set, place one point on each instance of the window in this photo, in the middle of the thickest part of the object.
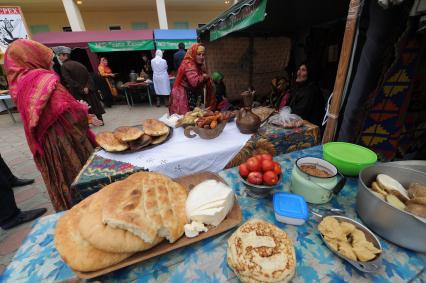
(181, 25)
(66, 29)
(141, 25)
(39, 28)
(114, 27)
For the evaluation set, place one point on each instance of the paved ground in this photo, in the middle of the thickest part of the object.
(15, 151)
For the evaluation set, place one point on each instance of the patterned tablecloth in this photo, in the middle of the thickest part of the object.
(38, 261)
(99, 171)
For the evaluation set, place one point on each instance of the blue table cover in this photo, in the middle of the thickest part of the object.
(38, 261)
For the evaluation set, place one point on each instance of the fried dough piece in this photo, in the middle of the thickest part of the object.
(347, 228)
(330, 227)
(345, 249)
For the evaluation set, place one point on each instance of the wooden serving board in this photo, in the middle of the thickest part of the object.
(233, 218)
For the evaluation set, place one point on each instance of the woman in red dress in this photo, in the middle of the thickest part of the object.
(55, 123)
(188, 89)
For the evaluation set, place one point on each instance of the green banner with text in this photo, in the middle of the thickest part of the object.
(247, 16)
(169, 44)
(121, 45)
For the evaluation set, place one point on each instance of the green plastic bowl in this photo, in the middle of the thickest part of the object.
(349, 158)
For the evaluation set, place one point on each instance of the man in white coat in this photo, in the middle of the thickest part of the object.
(160, 78)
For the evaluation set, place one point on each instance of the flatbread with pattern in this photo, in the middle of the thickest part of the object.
(74, 249)
(127, 134)
(148, 205)
(109, 142)
(155, 128)
(261, 252)
(104, 237)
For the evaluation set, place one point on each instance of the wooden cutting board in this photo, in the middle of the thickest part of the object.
(232, 219)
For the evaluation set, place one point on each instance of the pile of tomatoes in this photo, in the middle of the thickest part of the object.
(261, 169)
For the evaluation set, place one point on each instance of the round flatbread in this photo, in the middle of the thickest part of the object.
(77, 252)
(102, 236)
(109, 142)
(155, 128)
(127, 134)
(148, 205)
(261, 252)
(142, 142)
(160, 139)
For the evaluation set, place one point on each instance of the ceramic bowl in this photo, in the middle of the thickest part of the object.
(259, 191)
(206, 134)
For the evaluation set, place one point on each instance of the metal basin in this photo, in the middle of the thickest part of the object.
(399, 227)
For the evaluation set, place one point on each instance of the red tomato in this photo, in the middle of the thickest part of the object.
(270, 178)
(258, 157)
(266, 156)
(253, 164)
(267, 165)
(255, 178)
(277, 168)
(244, 171)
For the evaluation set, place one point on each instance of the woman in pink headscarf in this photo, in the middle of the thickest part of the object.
(191, 80)
(55, 124)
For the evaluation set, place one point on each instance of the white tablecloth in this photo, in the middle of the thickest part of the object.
(182, 156)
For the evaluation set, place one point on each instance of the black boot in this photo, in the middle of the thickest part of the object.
(17, 182)
(23, 217)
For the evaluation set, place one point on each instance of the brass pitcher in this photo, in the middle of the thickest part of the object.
(247, 121)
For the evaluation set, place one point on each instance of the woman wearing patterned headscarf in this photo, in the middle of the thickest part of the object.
(188, 89)
(55, 123)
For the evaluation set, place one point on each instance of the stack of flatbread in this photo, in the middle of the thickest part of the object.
(123, 138)
(261, 252)
(123, 218)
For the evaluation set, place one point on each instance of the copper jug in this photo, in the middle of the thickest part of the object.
(247, 121)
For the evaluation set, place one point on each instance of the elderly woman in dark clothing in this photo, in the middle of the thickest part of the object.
(306, 99)
(78, 81)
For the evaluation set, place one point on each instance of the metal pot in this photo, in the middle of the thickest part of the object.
(397, 226)
(316, 189)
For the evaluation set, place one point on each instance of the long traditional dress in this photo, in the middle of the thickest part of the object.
(55, 123)
(160, 77)
(106, 72)
(188, 89)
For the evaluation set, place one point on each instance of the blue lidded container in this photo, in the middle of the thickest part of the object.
(290, 208)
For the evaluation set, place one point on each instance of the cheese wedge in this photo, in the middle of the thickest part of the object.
(209, 202)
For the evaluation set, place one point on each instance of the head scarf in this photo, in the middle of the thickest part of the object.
(61, 50)
(188, 62)
(217, 76)
(159, 53)
(36, 90)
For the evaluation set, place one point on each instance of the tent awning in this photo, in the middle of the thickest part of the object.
(100, 41)
(167, 39)
(240, 16)
(274, 18)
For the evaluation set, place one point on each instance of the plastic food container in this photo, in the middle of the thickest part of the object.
(290, 208)
(349, 158)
